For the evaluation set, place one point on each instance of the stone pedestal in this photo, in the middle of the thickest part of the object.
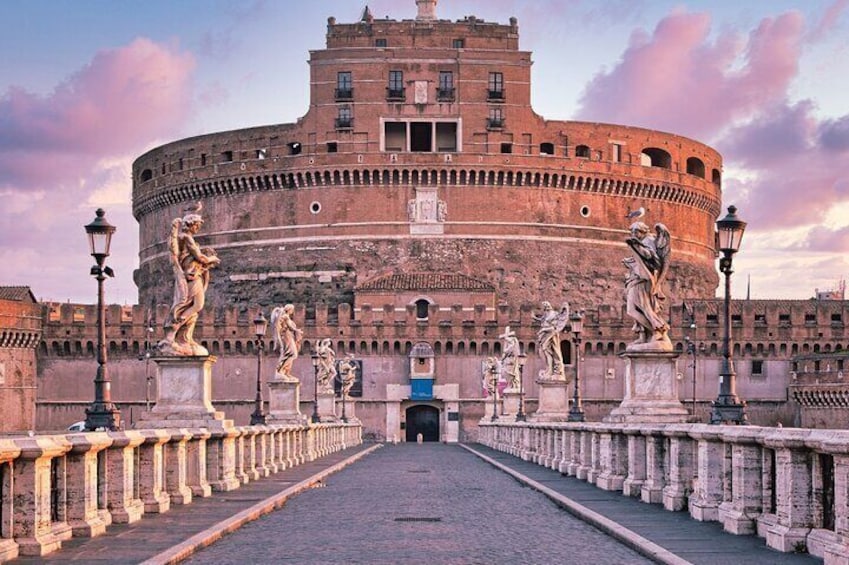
(553, 401)
(488, 408)
(284, 399)
(350, 409)
(327, 406)
(512, 397)
(651, 390)
(184, 395)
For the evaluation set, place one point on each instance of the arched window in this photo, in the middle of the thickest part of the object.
(655, 157)
(582, 151)
(146, 175)
(421, 309)
(696, 167)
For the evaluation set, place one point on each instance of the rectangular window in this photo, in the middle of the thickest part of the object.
(380, 42)
(203, 159)
(332, 147)
(616, 153)
(395, 136)
(496, 118)
(261, 153)
(784, 319)
(760, 319)
(496, 86)
(227, 156)
(395, 88)
(506, 147)
(458, 43)
(344, 120)
(445, 90)
(757, 367)
(446, 136)
(344, 86)
(810, 319)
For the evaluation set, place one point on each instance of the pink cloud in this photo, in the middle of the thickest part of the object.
(829, 20)
(678, 79)
(123, 99)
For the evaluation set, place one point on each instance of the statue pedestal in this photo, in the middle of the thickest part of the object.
(512, 398)
(488, 408)
(184, 398)
(553, 401)
(284, 399)
(350, 409)
(327, 406)
(651, 390)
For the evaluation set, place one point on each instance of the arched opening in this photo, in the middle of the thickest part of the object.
(566, 351)
(655, 157)
(695, 166)
(422, 419)
(582, 151)
(546, 148)
(421, 309)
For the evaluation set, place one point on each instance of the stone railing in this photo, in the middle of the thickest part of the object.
(789, 486)
(58, 486)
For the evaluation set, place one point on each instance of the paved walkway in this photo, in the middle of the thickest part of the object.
(642, 524)
(410, 503)
(182, 529)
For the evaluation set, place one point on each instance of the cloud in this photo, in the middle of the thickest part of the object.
(67, 153)
(821, 238)
(828, 20)
(680, 79)
(119, 102)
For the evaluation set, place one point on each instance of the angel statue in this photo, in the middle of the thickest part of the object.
(190, 264)
(287, 336)
(326, 365)
(644, 286)
(347, 374)
(491, 376)
(548, 340)
(510, 359)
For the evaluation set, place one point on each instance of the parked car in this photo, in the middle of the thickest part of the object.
(77, 426)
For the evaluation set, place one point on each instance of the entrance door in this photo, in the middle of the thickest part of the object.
(422, 420)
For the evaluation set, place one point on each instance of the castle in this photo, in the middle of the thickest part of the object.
(418, 208)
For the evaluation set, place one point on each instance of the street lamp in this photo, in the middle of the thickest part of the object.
(147, 378)
(728, 408)
(342, 393)
(520, 415)
(315, 417)
(102, 413)
(260, 325)
(576, 412)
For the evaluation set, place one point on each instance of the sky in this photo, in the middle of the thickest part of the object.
(86, 86)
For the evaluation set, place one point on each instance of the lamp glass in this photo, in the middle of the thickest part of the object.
(730, 231)
(99, 234)
(577, 322)
(260, 325)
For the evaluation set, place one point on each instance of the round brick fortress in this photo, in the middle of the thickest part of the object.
(447, 170)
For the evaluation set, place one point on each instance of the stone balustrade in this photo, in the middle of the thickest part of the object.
(77, 484)
(788, 486)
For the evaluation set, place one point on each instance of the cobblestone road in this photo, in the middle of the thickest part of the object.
(411, 503)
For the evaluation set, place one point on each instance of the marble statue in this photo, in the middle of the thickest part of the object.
(288, 339)
(552, 324)
(491, 375)
(644, 296)
(191, 264)
(510, 359)
(326, 365)
(347, 374)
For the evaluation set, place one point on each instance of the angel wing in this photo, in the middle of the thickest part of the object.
(275, 316)
(663, 244)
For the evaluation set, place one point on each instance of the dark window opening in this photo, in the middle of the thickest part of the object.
(146, 175)
(566, 351)
(395, 136)
(757, 367)
(654, 157)
(203, 159)
(421, 136)
(344, 86)
(345, 120)
(380, 42)
(582, 151)
(696, 167)
(421, 309)
(395, 88)
(458, 43)
(784, 319)
(496, 86)
(227, 156)
(810, 318)
(445, 90)
(546, 148)
(506, 147)
(446, 136)
(332, 147)
(496, 118)
(295, 148)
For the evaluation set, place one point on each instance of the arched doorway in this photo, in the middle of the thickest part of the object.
(422, 419)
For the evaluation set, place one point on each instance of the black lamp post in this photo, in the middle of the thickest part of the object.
(520, 415)
(102, 413)
(728, 408)
(260, 325)
(315, 417)
(342, 393)
(494, 395)
(147, 378)
(576, 412)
